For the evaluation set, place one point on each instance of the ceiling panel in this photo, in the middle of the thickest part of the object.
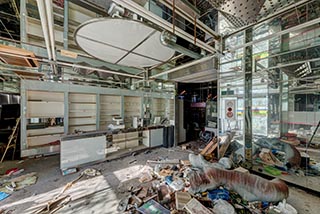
(122, 41)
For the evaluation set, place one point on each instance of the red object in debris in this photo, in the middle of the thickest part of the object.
(290, 135)
(10, 171)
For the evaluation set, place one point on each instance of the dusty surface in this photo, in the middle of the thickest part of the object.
(117, 176)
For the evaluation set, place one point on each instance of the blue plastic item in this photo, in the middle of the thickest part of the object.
(219, 194)
(3, 195)
(168, 179)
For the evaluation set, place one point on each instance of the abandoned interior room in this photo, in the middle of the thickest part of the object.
(159, 106)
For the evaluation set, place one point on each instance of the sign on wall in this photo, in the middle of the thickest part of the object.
(230, 109)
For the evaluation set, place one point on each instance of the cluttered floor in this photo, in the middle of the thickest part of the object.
(152, 181)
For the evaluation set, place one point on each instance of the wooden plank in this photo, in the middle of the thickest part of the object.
(82, 113)
(224, 146)
(45, 96)
(82, 98)
(204, 151)
(81, 121)
(213, 148)
(110, 99)
(5, 50)
(42, 140)
(80, 106)
(45, 131)
(45, 109)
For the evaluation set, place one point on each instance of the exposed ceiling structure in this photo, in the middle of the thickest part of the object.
(190, 37)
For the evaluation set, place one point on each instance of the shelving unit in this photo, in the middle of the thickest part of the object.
(82, 112)
(170, 109)
(109, 106)
(41, 106)
(85, 108)
(158, 108)
(132, 108)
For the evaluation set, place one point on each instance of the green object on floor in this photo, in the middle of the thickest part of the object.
(271, 170)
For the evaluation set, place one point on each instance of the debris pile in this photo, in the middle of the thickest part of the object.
(198, 186)
(13, 181)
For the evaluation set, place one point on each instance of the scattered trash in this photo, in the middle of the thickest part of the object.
(272, 170)
(286, 208)
(226, 162)
(3, 195)
(69, 171)
(17, 183)
(175, 161)
(223, 207)
(133, 161)
(10, 171)
(17, 172)
(182, 198)
(90, 172)
(123, 204)
(146, 177)
(152, 207)
(194, 207)
(219, 194)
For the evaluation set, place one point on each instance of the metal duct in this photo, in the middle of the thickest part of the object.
(170, 40)
(203, 72)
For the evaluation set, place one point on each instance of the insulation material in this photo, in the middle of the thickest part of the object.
(250, 187)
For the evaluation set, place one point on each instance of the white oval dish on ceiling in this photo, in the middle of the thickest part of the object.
(122, 41)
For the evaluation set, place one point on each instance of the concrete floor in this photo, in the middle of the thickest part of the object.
(116, 176)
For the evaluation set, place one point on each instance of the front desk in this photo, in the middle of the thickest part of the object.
(78, 149)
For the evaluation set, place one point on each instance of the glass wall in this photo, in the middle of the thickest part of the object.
(285, 109)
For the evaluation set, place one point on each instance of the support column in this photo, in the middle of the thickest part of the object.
(65, 24)
(23, 122)
(66, 113)
(176, 118)
(98, 112)
(248, 67)
(23, 21)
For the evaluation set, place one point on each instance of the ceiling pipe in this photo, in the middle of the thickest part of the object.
(44, 23)
(170, 40)
(49, 9)
(73, 65)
